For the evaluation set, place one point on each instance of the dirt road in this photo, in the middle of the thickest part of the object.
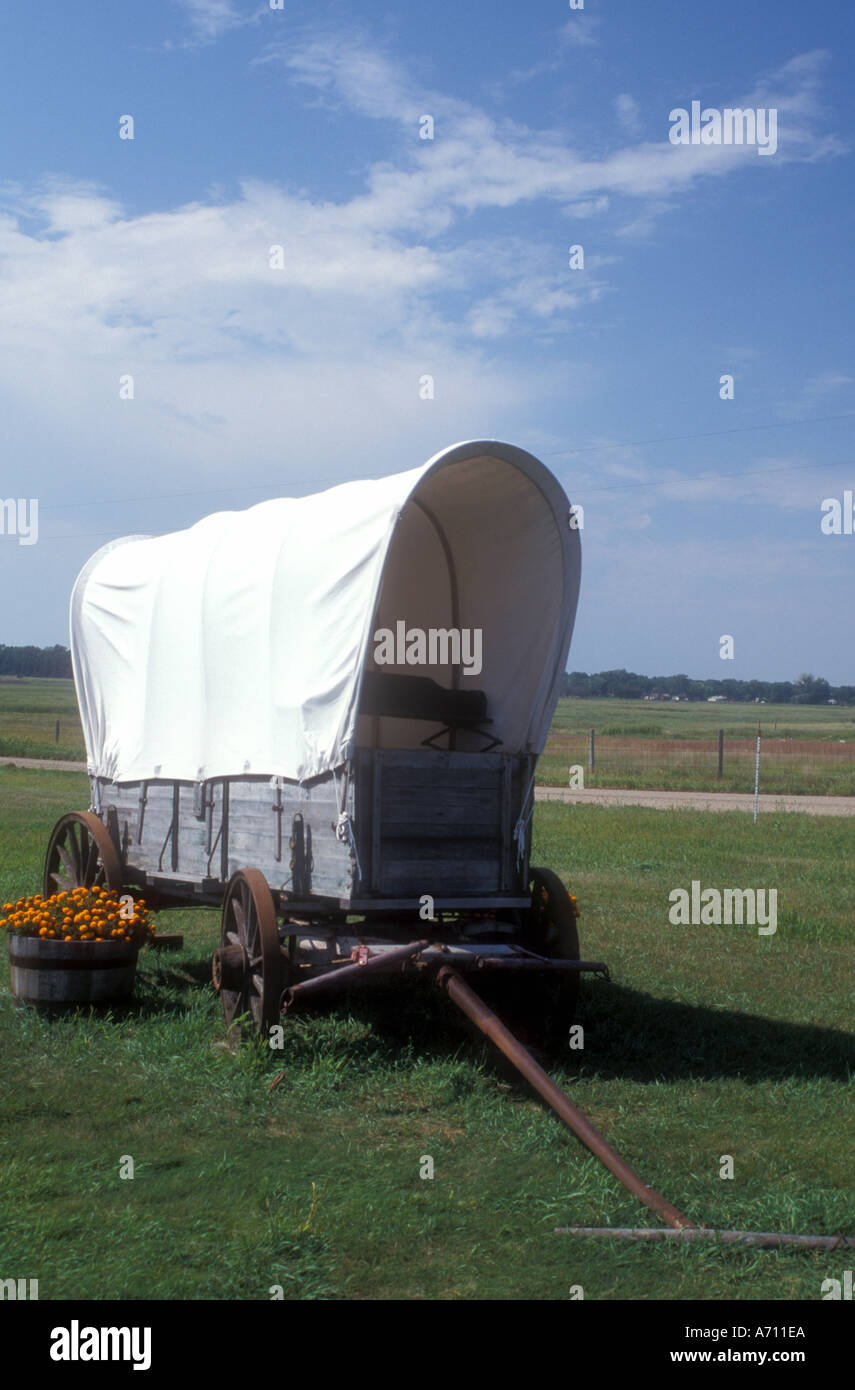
(699, 801)
(43, 764)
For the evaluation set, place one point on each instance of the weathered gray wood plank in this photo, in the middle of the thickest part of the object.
(426, 820)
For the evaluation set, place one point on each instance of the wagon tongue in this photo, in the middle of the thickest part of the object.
(681, 1226)
(484, 1018)
(678, 1225)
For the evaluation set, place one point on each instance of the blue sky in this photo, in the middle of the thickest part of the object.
(406, 256)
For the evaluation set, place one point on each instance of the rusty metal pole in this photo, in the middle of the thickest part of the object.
(321, 984)
(475, 1009)
(761, 1240)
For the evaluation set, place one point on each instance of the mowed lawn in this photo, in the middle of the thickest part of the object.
(707, 1041)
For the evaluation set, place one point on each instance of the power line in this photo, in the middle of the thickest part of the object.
(708, 434)
(194, 492)
(711, 476)
(563, 453)
(621, 487)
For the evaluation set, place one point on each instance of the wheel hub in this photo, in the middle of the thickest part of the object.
(230, 967)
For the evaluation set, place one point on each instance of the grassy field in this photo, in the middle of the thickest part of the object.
(806, 749)
(707, 1041)
(696, 719)
(29, 710)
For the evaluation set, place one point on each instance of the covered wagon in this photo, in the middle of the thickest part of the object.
(325, 713)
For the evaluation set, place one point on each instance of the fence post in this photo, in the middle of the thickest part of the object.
(57, 731)
(591, 751)
(720, 752)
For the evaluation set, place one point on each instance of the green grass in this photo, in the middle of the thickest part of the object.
(707, 1041)
(29, 710)
(698, 719)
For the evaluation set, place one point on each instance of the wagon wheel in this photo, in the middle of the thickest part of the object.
(81, 854)
(247, 967)
(550, 929)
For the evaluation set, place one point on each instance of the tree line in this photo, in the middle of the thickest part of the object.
(35, 661)
(627, 685)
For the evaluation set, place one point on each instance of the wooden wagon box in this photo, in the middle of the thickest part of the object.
(426, 822)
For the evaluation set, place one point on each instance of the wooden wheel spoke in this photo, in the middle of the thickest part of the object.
(249, 921)
(66, 859)
(90, 863)
(551, 930)
(232, 1004)
(81, 853)
(240, 919)
(73, 847)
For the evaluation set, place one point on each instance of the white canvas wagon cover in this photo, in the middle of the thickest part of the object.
(237, 647)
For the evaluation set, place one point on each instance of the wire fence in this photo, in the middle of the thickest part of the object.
(793, 766)
(788, 766)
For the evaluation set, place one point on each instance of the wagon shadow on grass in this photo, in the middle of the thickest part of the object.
(628, 1034)
(641, 1037)
(167, 984)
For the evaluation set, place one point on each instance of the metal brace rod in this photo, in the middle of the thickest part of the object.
(320, 984)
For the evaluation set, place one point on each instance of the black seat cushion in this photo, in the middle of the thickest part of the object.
(418, 697)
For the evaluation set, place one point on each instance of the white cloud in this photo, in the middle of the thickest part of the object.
(479, 161)
(591, 208)
(195, 281)
(628, 112)
(241, 373)
(580, 30)
(823, 384)
(647, 221)
(347, 68)
(235, 360)
(209, 19)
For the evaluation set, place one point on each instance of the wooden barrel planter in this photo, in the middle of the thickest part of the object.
(71, 972)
